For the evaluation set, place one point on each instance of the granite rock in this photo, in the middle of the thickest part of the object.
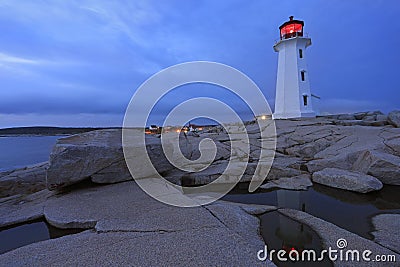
(97, 155)
(384, 166)
(300, 182)
(25, 180)
(387, 230)
(330, 234)
(348, 180)
(128, 227)
(394, 118)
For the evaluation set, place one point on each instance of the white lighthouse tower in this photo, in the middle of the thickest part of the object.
(293, 95)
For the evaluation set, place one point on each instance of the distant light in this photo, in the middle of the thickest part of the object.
(263, 117)
(178, 131)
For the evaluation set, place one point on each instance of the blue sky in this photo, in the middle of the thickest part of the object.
(77, 63)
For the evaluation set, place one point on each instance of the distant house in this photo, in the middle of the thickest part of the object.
(195, 127)
(153, 129)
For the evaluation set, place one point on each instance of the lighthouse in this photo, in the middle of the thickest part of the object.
(293, 95)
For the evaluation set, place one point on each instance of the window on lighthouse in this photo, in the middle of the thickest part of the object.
(300, 53)
(305, 98)
(303, 75)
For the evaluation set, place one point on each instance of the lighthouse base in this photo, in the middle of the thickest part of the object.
(294, 115)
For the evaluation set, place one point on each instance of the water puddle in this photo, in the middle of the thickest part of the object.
(349, 210)
(282, 233)
(16, 236)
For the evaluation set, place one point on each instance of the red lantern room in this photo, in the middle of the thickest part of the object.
(291, 28)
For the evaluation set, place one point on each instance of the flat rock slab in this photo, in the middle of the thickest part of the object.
(331, 233)
(387, 230)
(121, 207)
(128, 227)
(22, 208)
(348, 180)
(201, 247)
(301, 182)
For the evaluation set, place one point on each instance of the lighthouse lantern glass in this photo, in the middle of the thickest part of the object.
(291, 30)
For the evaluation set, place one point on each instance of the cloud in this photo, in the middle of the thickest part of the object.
(60, 120)
(4, 59)
(72, 57)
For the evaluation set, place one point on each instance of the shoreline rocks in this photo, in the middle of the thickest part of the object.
(122, 218)
(384, 166)
(394, 118)
(24, 181)
(347, 180)
(304, 146)
(80, 156)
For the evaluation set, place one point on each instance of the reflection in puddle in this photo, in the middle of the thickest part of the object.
(23, 234)
(349, 210)
(280, 232)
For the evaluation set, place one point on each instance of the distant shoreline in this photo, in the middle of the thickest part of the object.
(47, 131)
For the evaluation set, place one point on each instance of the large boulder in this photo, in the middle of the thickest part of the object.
(25, 180)
(384, 166)
(98, 156)
(347, 180)
(342, 161)
(81, 156)
(394, 118)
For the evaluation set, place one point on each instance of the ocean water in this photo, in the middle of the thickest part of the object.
(20, 151)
